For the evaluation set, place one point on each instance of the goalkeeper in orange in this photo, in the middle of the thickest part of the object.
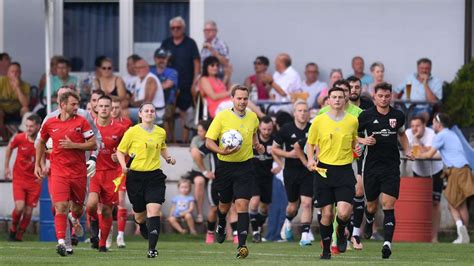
(103, 185)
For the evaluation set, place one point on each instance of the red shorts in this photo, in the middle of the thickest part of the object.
(102, 183)
(67, 188)
(29, 192)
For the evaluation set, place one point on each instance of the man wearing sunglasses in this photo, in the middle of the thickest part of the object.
(186, 61)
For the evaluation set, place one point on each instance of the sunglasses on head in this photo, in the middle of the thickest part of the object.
(106, 68)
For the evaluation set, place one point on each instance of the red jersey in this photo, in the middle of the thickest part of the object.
(124, 121)
(111, 136)
(24, 167)
(70, 163)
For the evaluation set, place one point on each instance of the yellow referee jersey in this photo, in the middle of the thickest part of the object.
(247, 127)
(334, 138)
(146, 146)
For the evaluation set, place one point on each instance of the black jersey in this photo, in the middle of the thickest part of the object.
(264, 162)
(365, 103)
(384, 155)
(288, 135)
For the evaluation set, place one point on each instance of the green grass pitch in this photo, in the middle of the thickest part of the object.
(187, 250)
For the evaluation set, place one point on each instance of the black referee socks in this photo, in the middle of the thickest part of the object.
(369, 217)
(222, 220)
(254, 221)
(242, 227)
(388, 224)
(261, 218)
(211, 226)
(153, 224)
(341, 226)
(358, 211)
(326, 233)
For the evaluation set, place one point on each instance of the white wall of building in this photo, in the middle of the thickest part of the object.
(23, 32)
(331, 32)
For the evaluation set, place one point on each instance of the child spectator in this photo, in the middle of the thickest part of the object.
(182, 208)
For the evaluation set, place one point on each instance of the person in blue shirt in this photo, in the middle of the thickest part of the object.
(358, 67)
(169, 81)
(182, 208)
(424, 87)
(459, 174)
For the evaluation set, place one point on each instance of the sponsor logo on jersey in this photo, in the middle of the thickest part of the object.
(376, 121)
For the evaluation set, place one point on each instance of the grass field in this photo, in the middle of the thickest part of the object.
(186, 250)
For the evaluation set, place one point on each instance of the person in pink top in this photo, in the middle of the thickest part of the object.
(261, 79)
(214, 90)
(334, 75)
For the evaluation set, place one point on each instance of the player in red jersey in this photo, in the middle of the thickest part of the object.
(72, 136)
(26, 188)
(102, 187)
(122, 207)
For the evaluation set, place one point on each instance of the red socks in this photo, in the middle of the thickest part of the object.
(60, 223)
(15, 220)
(121, 219)
(25, 221)
(105, 225)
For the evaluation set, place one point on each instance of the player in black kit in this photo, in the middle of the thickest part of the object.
(298, 179)
(383, 125)
(363, 103)
(263, 182)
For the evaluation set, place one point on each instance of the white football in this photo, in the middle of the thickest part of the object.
(231, 139)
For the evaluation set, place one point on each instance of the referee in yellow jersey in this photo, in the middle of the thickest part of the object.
(334, 136)
(235, 171)
(145, 183)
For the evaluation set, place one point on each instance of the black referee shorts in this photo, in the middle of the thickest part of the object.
(234, 180)
(145, 187)
(381, 181)
(263, 187)
(339, 185)
(298, 182)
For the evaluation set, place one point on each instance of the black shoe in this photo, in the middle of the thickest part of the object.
(257, 237)
(341, 241)
(103, 249)
(61, 250)
(74, 240)
(70, 252)
(324, 256)
(368, 231)
(242, 252)
(386, 252)
(95, 242)
(11, 235)
(221, 235)
(143, 230)
(152, 253)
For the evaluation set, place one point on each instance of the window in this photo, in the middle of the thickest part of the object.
(91, 29)
(151, 23)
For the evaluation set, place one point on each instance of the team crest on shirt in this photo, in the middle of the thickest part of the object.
(78, 129)
(114, 138)
(392, 122)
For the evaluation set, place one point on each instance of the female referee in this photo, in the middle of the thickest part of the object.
(145, 182)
